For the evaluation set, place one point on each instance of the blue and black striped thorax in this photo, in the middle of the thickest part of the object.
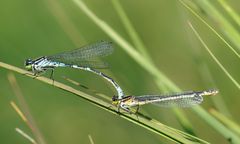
(41, 64)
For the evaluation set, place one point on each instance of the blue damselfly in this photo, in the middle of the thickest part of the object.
(83, 58)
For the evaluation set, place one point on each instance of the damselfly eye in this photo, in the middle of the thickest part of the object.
(28, 62)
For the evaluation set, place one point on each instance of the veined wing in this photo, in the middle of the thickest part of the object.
(85, 53)
(186, 99)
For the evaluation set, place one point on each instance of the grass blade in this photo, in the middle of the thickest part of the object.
(139, 45)
(141, 120)
(130, 29)
(225, 120)
(90, 139)
(230, 11)
(25, 113)
(210, 27)
(25, 135)
(149, 67)
(226, 27)
(214, 58)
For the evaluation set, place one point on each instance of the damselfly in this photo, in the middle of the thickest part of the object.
(83, 58)
(184, 99)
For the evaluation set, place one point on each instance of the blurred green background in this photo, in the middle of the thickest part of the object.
(29, 29)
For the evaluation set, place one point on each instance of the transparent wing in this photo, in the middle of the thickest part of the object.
(175, 100)
(86, 53)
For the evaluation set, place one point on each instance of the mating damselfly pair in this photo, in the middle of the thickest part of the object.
(84, 58)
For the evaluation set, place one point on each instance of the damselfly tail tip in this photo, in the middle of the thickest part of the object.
(211, 92)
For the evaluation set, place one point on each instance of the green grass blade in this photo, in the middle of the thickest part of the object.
(214, 58)
(218, 101)
(67, 25)
(139, 45)
(230, 11)
(24, 112)
(149, 67)
(140, 120)
(227, 133)
(206, 75)
(226, 121)
(226, 27)
(210, 27)
(25, 135)
(130, 29)
(126, 46)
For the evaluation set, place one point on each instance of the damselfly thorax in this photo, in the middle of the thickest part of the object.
(42, 64)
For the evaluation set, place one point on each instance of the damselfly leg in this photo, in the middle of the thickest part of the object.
(51, 76)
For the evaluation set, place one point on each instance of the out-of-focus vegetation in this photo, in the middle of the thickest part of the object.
(36, 28)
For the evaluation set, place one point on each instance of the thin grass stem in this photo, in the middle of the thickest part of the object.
(214, 58)
(141, 120)
(149, 67)
(226, 121)
(25, 135)
(210, 27)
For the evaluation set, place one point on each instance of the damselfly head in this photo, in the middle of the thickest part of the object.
(114, 98)
(28, 64)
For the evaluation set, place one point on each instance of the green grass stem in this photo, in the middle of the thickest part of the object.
(214, 58)
(230, 11)
(210, 27)
(149, 67)
(139, 45)
(225, 26)
(226, 121)
(139, 119)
